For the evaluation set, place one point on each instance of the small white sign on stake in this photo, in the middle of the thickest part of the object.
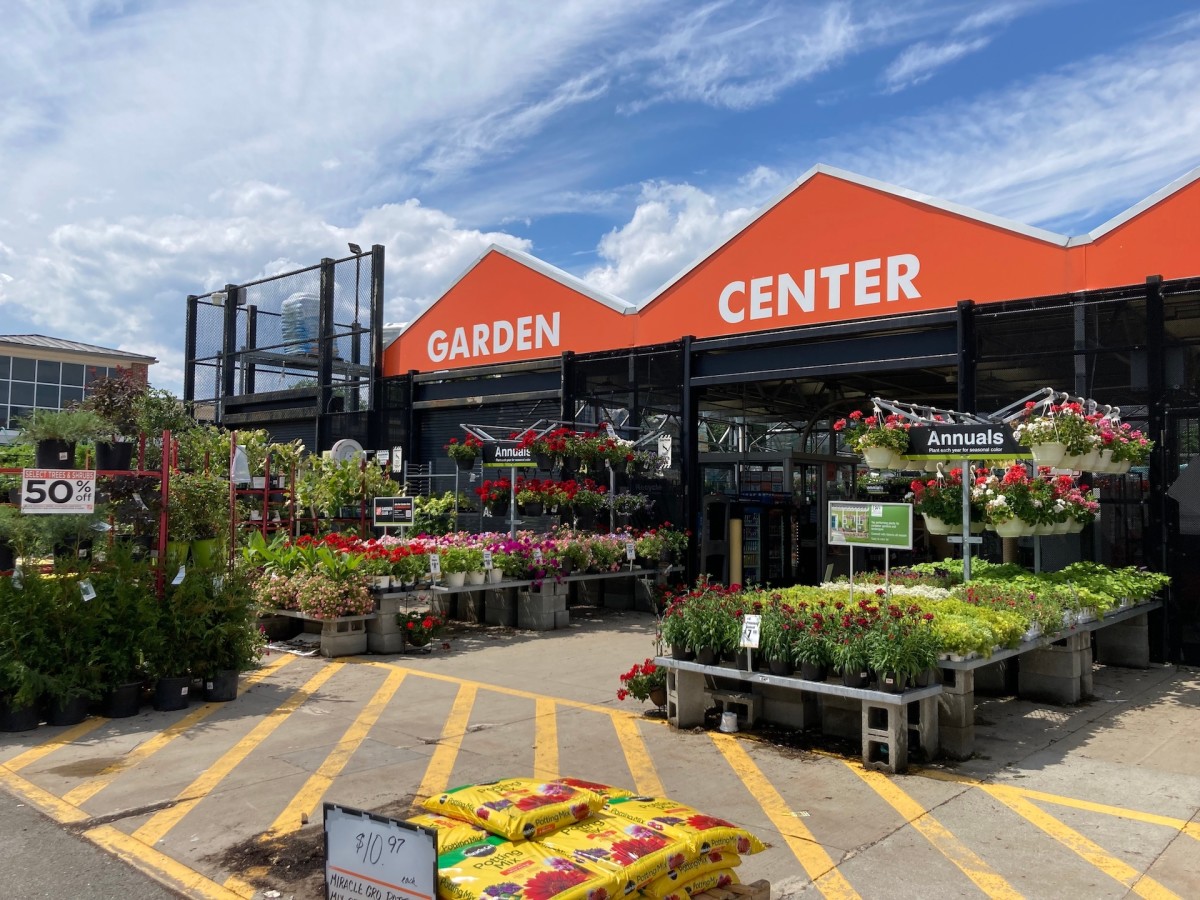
(178, 579)
(630, 550)
(537, 555)
(435, 565)
(751, 626)
(86, 591)
(487, 560)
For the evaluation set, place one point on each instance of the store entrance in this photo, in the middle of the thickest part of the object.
(778, 498)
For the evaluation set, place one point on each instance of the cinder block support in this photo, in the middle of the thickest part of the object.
(469, 606)
(989, 680)
(500, 607)
(789, 707)
(536, 610)
(1056, 674)
(956, 713)
(686, 701)
(885, 736)
(1125, 643)
(927, 726)
(841, 716)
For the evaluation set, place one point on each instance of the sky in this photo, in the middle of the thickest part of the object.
(151, 150)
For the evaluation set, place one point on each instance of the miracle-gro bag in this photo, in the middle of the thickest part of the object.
(499, 870)
(635, 853)
(718, 878)
(516, 808)
(451, 833)
(702, 832)
(676, 882)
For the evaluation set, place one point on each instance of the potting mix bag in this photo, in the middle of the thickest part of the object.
(700, 831)
(516, 808)
(676, 882)
(451, 833)
(499, 870)
(634, 853)
(606, 791)
(718, 878)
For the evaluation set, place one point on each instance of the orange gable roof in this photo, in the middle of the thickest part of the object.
(508, 307)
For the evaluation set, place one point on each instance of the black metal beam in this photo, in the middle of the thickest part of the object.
(189, 352)
(1156, 539)
(689, 455)
(325, 345)
(968, 350)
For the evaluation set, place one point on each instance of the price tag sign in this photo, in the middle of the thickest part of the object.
(45, 491)
(487, 560)
(750, 630)
(86, 591)
(630, 550)
(435, 565)
(369, 857)
(537, 555)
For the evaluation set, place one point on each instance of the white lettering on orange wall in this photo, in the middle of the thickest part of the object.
(864, 282)
(494, 338)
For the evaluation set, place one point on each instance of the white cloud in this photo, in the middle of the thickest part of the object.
(919, 62)
(673, 225)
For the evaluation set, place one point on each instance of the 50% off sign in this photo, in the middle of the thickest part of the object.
(58, 491)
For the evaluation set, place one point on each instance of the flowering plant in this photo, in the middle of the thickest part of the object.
(419, 628)
(1126, 443)
(466, 451)
(873, 431)
(641, 679)
(326, 597)
(1064, 423)
(495, 492)
(941, 498)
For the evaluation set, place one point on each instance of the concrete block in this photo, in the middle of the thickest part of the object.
(956, 743)
(1050, 688)
(1053, 662)
(500, 607)
(686, 701)
(747, 705)
(469, 606)
(841, 717)
(535, 620)
(924, 727)
(385, 643)
(587, 593)
(799, 710)
(884, 736)
(531, 601)
(562, 618)
(1124, 644)
(340, 638)
(956, 710)
(1085, 679)
(990, 679)
(957, 681)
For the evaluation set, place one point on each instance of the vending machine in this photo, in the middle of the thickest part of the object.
(767, 530)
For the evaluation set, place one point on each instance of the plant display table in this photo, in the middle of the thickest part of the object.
(1056, 668)
(883, 718)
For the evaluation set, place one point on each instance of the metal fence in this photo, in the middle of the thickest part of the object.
(308, 340)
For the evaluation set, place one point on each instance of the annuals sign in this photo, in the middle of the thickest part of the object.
(974, 441)
(505, 455)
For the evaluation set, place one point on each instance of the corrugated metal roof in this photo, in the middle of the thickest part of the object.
(50, 343)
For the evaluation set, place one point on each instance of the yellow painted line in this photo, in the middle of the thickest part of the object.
(981, 874)
(1192, 829)
(33, 754)
(812, 856)
(241, 886)
(166, 819)
(52, 806)
(637, 757)
(545, 739)
(1094, 854)
(159, 866)
(494, 688)
(84, 792)
(307, 798)
(441, 764)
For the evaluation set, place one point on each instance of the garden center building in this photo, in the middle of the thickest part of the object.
(840, 290)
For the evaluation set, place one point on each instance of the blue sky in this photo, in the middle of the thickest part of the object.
(149, 150)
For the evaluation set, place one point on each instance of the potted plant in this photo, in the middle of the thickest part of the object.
(24, 644)
(232, 641)
(197, 515)
(125, 609)
(644, 681)
(55, 432)
(495, 495)
(172, 645)
(419, 627)
(529, 497)
(589, 498)
(712, 628)
(778, 629)
(116, 400)
(464, 453)
(456, 562)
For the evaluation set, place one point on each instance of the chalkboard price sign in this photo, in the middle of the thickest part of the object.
(370, 857)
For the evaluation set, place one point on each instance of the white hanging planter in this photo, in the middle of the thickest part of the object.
(1050, 453)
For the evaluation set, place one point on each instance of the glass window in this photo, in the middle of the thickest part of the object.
(5, 366)
(72, 373)
(47, 396)
(70, 395)
(23, 369)
(22, 394)
(3, 392)
(49, 372)
(16, 414)
(94, 373)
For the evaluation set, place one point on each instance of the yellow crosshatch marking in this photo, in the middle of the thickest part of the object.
(638, 757)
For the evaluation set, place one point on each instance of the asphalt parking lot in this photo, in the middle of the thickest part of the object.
(223, 800)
